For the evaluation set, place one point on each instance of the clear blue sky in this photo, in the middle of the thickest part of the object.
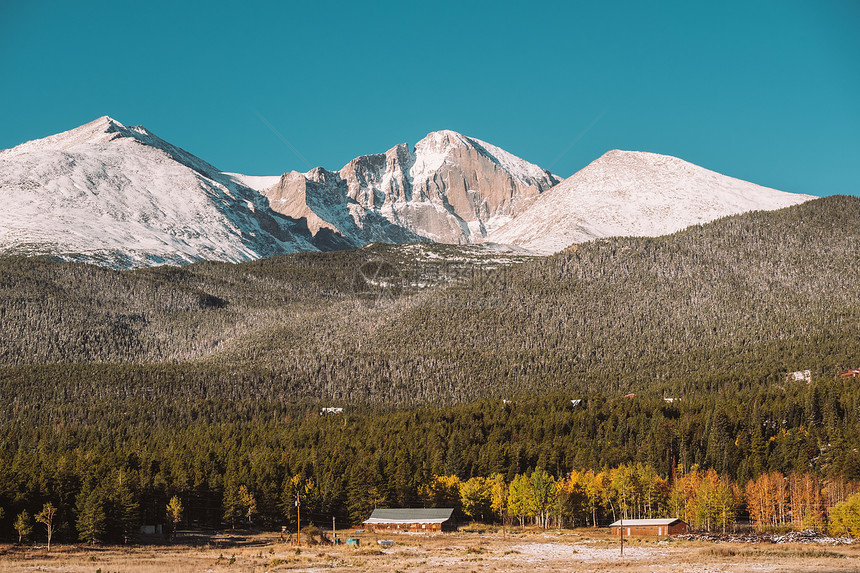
(763, 91)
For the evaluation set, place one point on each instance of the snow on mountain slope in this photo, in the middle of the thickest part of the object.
(120, 196)
(255, 182)
(629, 193)
(450, 189)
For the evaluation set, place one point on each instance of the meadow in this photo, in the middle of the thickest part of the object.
(475, 550)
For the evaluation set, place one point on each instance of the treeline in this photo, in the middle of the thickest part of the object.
(125, 464)
(704, 499)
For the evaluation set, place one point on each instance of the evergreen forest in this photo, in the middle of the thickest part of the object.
(461, 371)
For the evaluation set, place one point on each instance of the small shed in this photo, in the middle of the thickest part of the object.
(411, 520)
(658, 527)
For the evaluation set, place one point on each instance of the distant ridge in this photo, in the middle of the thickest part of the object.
(123, 197)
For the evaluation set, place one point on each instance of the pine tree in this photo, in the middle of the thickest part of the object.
(92, 520)
(454, 457)
(231, 505)
(125, 508)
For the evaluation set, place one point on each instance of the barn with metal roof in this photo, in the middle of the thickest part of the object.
(420, 520)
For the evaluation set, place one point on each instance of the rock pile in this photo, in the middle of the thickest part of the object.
(805, 536)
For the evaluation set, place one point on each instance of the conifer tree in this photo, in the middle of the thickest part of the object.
(231, 505)
(125, 507)
(91, 523)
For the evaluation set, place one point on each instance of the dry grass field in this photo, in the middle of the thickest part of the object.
(490, 551)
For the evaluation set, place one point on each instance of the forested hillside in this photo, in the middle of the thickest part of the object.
(193, 381)
(740, 301)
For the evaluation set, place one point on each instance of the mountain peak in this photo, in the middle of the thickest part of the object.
(444, 138)
(105, 120)
(121, 196)
(432, 151)
(97, 131)
(634, 193)
(451, 189)
(648, 160)
(93, 130)
(100, 130)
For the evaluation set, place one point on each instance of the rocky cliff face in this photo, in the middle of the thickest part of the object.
(450, 189)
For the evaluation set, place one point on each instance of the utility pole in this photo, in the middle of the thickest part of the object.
(298, 521)
(621, 529)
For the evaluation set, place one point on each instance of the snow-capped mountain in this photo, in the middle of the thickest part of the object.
(630, 193)
(120, 196)
(449, 189)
